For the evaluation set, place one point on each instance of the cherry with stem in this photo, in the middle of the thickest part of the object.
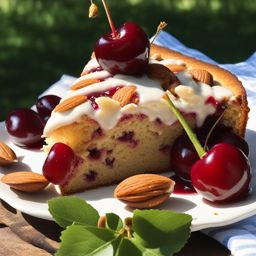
(222, 174)
(124, 50)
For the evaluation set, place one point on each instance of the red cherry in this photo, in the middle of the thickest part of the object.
(25, 127)
(125, 52)
(183, 156)
(59, 163)
(222, 175)
(45, 106)
(235, 140)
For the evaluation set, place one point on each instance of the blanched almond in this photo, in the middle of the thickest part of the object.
(124, 95)
(7, 155)
(25, 181)
(70, 103)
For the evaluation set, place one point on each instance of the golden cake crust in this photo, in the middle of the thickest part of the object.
(222, 76)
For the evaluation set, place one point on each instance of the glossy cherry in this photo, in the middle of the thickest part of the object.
(59, 163)
(233, 139)
(126, 52)
(216, 134)
(45, 106)
(222, 175)
(183, 156)
(25, 127)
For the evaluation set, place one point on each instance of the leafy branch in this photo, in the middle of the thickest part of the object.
(148, 232)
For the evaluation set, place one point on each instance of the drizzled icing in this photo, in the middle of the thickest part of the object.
(192, 99)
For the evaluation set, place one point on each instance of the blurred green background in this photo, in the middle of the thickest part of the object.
(42, 39)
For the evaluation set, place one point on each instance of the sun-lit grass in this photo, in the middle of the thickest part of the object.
(42, 39)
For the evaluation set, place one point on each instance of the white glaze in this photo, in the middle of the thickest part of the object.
(192, 97)
(92, 64)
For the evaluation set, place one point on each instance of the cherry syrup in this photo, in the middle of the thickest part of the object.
(108, 93)
(182, 187)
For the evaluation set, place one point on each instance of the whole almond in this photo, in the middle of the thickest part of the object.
(144, 190)
(25, 181)
(160, 72)
(83, 82)
(7, 155)
(70, 103)
(201, 75)
(124, 95)
(176, 68)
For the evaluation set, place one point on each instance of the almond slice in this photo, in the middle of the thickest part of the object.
(83, 82)
(124, 95)
(70, 103)
(7, 155)
(176, 68)
(144, 190)
(201, 75)
(25, 181)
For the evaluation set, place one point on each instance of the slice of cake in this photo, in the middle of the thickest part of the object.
(121, 125)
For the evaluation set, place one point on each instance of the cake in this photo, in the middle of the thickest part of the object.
(121, 125)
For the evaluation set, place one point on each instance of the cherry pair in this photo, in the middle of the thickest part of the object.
(25, 126)
(220, 175)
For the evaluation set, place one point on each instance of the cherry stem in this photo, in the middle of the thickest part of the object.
(109, 18)
(160, 27)
(211, 130)
(199, 149)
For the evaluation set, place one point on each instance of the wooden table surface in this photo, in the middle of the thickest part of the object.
(24, 235)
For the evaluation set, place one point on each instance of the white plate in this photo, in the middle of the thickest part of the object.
(204, 215)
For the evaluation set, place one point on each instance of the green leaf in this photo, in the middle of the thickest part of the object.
(80, 240)
(162, 229)
(68, 209)
(155, 232)
(126, 247)
(163, 251)
(113, 222)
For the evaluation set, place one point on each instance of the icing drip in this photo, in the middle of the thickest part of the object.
(192, 99)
